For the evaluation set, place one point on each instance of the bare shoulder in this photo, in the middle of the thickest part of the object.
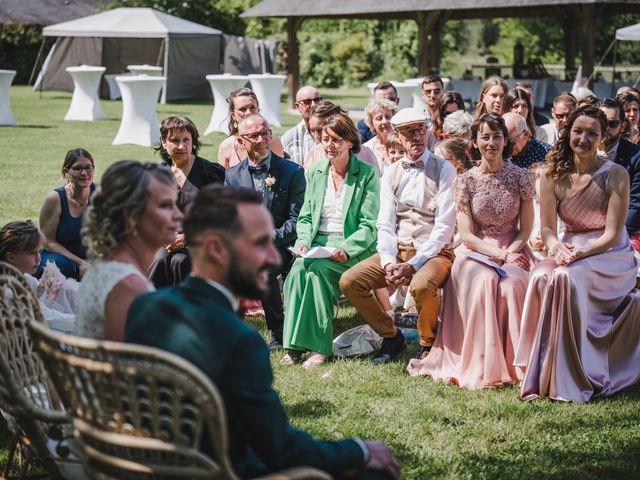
(618, 177)
(132, 285)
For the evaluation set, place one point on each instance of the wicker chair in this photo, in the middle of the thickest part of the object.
(32, 408)
(140, 412)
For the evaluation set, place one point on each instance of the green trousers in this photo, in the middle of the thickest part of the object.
(310, 293)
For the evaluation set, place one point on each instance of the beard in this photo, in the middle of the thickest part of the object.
(245, 283)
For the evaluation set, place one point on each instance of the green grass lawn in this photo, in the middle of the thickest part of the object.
(437, 431)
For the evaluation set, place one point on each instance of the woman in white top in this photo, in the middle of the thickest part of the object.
(378, 115)
(130, 218)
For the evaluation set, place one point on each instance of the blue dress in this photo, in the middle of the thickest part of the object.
(67, 235)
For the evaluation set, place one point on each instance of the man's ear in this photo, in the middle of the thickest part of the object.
(216, 248)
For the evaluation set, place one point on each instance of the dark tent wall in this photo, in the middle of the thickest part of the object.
(190, 60)
(69, 52)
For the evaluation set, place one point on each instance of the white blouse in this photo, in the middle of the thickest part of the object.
(331, 214)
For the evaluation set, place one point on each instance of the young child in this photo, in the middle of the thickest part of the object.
(393, 148)
(20, 246)
(456, 152)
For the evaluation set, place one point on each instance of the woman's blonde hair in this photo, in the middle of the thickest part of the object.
(123, 195)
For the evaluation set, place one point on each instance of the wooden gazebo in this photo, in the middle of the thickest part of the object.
(431, 15)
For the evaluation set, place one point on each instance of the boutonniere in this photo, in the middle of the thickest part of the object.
(269, 182)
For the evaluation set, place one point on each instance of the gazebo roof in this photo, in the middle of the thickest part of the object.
(409, 8)
(46, 12)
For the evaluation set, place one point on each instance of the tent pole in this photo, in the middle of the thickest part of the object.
(613, 78)
(163, 98)
(35, 65)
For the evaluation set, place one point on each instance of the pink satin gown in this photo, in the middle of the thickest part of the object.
(581, 329)
(480, 318)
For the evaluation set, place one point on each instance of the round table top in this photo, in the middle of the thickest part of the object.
(145, 67)
(266, 75)
(226, 76)
(139, 78)
(85, 68)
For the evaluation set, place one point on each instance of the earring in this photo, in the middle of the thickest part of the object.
(235, 125)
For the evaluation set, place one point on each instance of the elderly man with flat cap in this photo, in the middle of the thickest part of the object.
(415, 228)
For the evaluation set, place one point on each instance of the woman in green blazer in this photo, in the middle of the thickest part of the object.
(340, 211)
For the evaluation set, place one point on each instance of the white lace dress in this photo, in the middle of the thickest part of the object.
(95, 287)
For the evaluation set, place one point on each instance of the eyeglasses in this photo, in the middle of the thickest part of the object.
(560, 116)
(434, 91)
(515, 139)
(82, 168)
(309, 101)
(614, 123)
(255, 137)
(412, 132)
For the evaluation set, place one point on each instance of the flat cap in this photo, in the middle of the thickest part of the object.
(407, 116)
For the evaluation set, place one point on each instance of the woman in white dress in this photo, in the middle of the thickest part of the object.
(130, 218)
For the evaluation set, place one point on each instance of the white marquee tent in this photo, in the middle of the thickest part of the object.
(116, 38)
(629, 33)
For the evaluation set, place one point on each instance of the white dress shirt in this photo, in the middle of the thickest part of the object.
(331, 215)
(410, 191)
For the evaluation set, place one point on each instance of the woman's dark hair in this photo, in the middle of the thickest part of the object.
(73, 155)
(240, 92)
(560, 158)
(342, 125)
(495, 124)
(520, 94)
(325, 109)
(177, 122)
(18, 237)
(122, 197)
(447, 98)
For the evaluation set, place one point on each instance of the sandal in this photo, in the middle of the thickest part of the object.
(314, 360)
(291, 358)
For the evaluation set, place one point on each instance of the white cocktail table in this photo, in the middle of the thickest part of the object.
(150, 70)
(85, 103)
(139, 124)
(267, 88)
(405, 93)
(221, 87)
(6, 115)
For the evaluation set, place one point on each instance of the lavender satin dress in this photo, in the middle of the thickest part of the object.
(580, 333)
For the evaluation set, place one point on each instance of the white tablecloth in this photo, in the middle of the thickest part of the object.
(139, 124)
(85, 104)
(267, 88)
(221, 87)
(6, 115)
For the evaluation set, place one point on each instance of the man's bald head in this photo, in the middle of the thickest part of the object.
(519, 134)
(306, 97)
(515, 121)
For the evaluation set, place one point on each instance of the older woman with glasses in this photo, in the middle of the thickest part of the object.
(339, 213)
(242, 102)
(61, 216)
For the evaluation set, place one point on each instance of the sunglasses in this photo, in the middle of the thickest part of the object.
(434, 91)
(309, 101)
(614, 123)
(560, 116)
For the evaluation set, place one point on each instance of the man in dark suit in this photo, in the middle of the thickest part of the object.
(625, 153)
(229, 234)
(281, 183)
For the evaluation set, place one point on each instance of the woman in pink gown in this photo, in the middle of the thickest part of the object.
(480, 318)
(581, 332)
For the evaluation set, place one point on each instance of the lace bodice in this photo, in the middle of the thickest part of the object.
(493, 199)
(95, 287)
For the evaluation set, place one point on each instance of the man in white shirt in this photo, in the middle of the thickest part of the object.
(563, 105)
(297, 141)
(415, 227)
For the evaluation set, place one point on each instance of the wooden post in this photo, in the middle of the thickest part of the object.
(569, 26)
(426, 58)
(293, 59)
(589, 43)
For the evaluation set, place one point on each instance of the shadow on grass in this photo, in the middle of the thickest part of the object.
(310, 408)
(32, 126)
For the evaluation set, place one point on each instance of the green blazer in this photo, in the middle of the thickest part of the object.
(359, 212)
(196, 321)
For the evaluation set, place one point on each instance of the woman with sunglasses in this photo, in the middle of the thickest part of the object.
(61, 216)
(242, 102)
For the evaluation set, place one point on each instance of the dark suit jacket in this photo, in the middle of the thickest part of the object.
(195, 321)
(365, 132)
(629, 157)
(283, 200)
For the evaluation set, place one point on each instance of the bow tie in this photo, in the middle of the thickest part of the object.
(407, 165)
(258, 169)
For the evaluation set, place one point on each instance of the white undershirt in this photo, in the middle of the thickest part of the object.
(331, 214)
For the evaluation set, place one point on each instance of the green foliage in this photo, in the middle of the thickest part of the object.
(541, 38)
(19, 46)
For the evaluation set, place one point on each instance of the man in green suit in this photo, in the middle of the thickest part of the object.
(230, 238)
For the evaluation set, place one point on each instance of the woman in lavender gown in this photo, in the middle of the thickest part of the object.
(581, 332)
(482, 306)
